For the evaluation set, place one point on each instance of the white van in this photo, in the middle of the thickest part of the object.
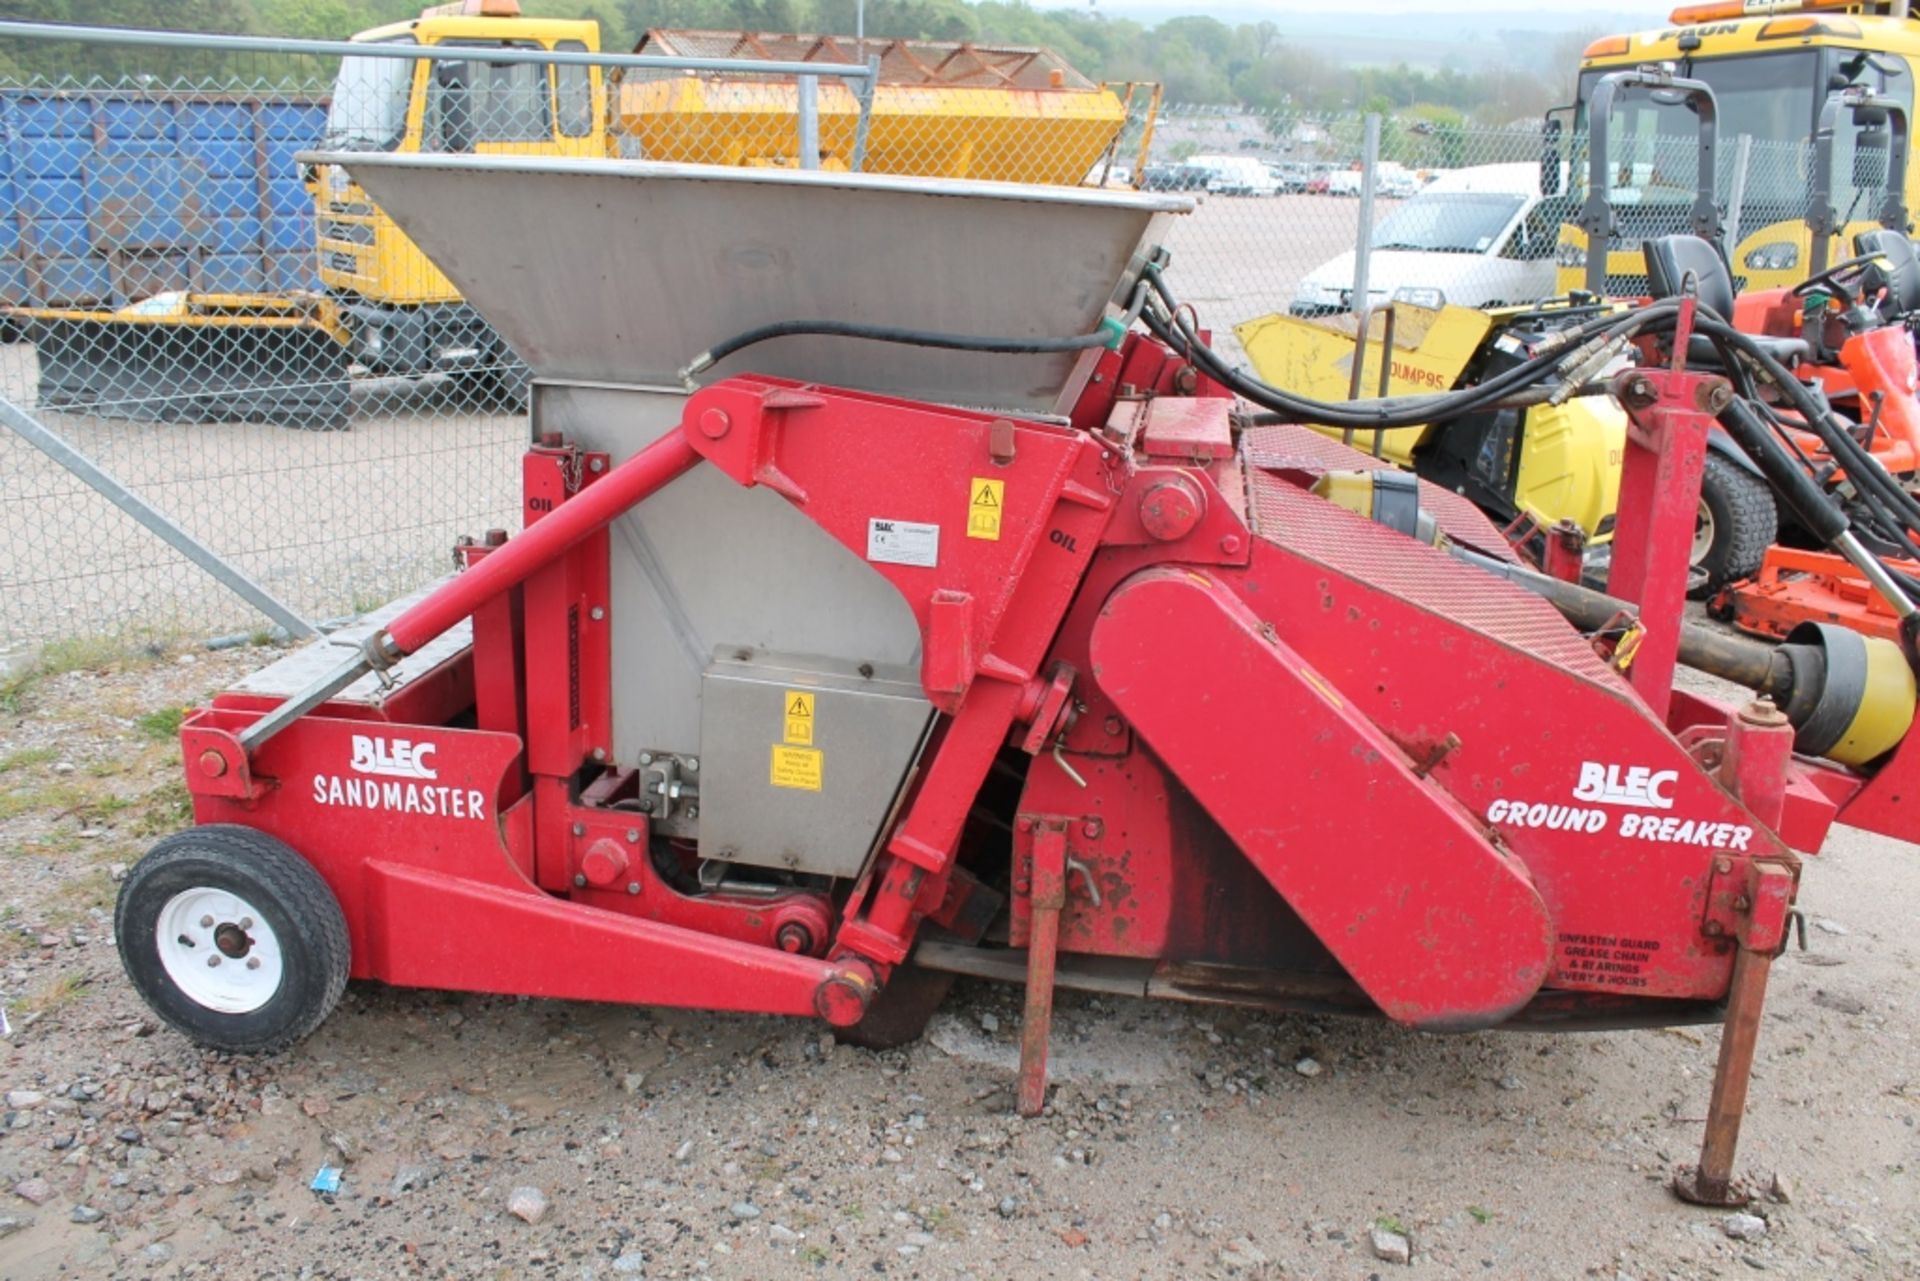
(1470, 237)
(1237, 176)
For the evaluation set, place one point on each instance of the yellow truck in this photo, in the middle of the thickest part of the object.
(1771, 65)
(947, 109)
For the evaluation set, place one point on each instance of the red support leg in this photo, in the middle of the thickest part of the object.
(1711, 1182)
(1048, 892)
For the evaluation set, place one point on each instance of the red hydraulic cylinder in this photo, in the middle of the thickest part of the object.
(660, 463)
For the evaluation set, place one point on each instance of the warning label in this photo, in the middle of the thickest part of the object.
(985, 501)
(798, 718)
(796, 767)
(1602, 958)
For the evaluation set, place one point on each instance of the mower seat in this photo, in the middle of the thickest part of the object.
(1671, 259)
(1901, 275)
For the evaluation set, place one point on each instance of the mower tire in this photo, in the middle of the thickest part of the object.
(1736, 524)
(232, 938)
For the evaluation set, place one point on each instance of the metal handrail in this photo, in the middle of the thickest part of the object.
(386, 49)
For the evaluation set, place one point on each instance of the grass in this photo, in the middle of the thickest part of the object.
(168, 809)
(1387, 1223)
(28, 756)
(1480, 1213)
(56, 658)
(62, 991)
(163, 725)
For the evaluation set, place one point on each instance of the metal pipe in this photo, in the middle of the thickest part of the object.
(1363, 236)
(512, 564)
(808, 115)
(863, 95)
(1765, 669)
(228, 575)
(1357, 372)
(437, 53)
(665, 460)
(1386, 371)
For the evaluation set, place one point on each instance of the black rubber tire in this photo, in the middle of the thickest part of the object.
(1745, 521)
(900, 1013)
(284, 888)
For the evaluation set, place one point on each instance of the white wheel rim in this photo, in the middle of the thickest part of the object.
(219, 950)
(1702, 532)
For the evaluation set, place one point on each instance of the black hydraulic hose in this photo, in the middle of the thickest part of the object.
(1815, 509)
(893, 334)
(1406, 412)
(1857, 462)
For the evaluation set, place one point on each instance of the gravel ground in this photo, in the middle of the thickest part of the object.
(1181, 1141)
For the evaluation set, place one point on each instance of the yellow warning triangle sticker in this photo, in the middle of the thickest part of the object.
(985, 497)
(800, 706)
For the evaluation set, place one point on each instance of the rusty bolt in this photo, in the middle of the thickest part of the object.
(1185, 379)
(714, 424)
(1714, 395)
(1742, 904)
(1112, 726)
(212, 763)
(1714, 928)
(1723, 865)
(496, 538)
(794, 937)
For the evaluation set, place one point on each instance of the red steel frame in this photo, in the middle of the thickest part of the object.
(1265, 733)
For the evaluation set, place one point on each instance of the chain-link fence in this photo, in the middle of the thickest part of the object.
(246, 341)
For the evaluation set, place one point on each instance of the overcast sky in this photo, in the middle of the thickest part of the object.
(1651, 10)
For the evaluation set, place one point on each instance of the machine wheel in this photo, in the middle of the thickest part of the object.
(1736, 524)
(232, 938)
(900, 1013)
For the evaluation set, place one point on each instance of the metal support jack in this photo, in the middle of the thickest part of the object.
(1047, 891)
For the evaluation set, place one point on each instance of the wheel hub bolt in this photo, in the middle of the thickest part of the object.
(212, 961)
(253, 962)
(206, 922)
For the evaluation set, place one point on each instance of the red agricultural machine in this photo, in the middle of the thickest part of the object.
(890, 606)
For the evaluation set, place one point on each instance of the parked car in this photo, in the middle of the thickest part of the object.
(1237, 176)
(1173, 177)
(1319, 182)
(1344, 182)
(1292, 175)
(1473, 237)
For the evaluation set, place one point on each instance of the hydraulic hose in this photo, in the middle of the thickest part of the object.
(1106, 334)
(1419, 411)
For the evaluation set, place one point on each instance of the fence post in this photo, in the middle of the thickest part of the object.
(42, 438)
(1737, 192)
(809, 87)
(863, 96)
(1363, 234)
(1362, 251)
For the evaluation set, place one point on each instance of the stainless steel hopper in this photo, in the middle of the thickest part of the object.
(618, 271)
